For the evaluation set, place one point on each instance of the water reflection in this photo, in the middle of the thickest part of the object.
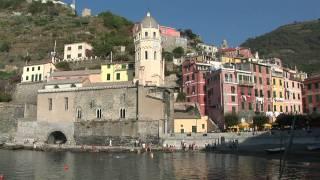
(64, 165)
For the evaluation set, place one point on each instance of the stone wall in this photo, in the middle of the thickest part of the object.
(9, 115)
(120, 132)
(26, 93)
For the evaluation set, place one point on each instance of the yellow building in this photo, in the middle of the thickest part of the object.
(278, 91)
(187, 119)
(117, 72)
(225, 60)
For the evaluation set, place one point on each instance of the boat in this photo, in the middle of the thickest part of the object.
(313, 147)
(275, 150)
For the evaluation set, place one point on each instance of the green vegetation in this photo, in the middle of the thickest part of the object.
(6, 75)
(5, 97)
(4, 46)
(259, 120)
(4, 4)
(296, 44)
(181, 97)
(231, 119)
(63, 66)
(301, 121)
(114, 21)
(193, 38)
(178, 52)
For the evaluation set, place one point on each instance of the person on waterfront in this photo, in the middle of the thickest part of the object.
(110, 142)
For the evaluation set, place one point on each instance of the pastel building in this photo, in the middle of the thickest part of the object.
(206, 49)
(116, 72)
(171, 38)
(293, 92)
(187, 119)
(149, 65)
(94, 76)
(194, 82)
(311, 94)
(77, 51)
(37, 72)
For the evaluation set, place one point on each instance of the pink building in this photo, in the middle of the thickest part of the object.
(94, 76)
(169, 31)
(236, 52)
(222, 90)
(194, 82)
(292, 92)
(311, 94)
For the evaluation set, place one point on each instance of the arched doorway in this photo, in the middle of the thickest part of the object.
(57, 137)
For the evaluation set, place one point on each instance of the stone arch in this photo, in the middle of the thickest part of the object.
(57, 137)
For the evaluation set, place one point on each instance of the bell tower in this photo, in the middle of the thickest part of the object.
(149, 65)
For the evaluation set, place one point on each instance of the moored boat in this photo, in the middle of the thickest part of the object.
(275, 150)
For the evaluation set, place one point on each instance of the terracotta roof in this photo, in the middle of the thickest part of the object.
(75, 73)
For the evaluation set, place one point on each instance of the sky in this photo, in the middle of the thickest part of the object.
(213, 20)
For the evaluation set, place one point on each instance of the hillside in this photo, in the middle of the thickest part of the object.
(296, 44)
(28, 31)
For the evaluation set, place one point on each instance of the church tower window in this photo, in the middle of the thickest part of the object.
(155, 55)
(98, 113)
(146, 55)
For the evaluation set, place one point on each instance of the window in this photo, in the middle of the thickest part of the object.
(66, 103)
(280, 82)
(233, 89)
(118, 76)
(203, 126)
(255, 79)
(269, 107)
(274, 81)
(250, 106)
(36, 77)
(187, 78)
(316, 85)
(154, 34)
(146, 54)
(193, 89)
(286, 108)
(38, 68)
(27, 69)
(269, 94)
(254, 68)
(27, 78)
(122, 113)
(108, 66)
(268, 81)
(259, 69)
(267, 70)
(294, 96)
(32, 68)
(317, 98)
(68, 56)
(79, 47)
(249, 91)
(261, 107)
(310, 98)
(233, 98)
(98, 113)
(274, 108)
(293, 84)
(50, 104)
(260, 79)
(92, 103)
(243, 106)
(261, 93)
(233, 109)
(309, 86)
(280, 94)
(256, 92)
(40, 77)
(155, 55)
(79, 113)
(32, 77)
(108, 77)
(281, 110)
(193, 77)
(146, 34)
(274, 94)
(79, 55)
(69, 48)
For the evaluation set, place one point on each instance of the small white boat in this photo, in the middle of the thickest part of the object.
(313, 147)
(275, 150)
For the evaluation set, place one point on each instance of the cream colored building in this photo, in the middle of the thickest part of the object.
(187, 119)
(37, 72)
(77, 51)
(149, 69)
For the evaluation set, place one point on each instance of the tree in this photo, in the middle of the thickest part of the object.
(4, 46)
(231, 119)
(259, 120)
(63, 66)
(181, 97)
(168, 56)
(178, 52)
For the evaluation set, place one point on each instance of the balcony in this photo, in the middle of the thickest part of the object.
(245, 83)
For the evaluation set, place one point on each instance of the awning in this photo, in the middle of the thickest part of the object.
(244, 125)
